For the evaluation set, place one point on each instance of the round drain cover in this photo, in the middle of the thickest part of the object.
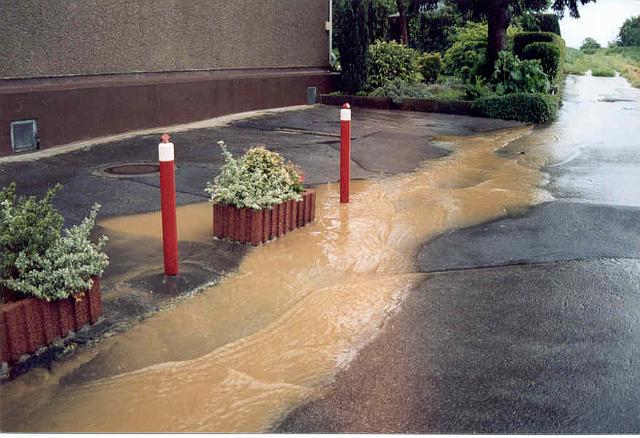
(132, 169)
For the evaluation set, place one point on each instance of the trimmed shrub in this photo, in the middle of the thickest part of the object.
(430, 65)
(391, 60)
(523, 39)
(40, 259)
(549, 54)
(523, 107)
(259, 179)
(399, 89)
(541, 23)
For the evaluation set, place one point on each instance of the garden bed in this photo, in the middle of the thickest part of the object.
(456, 107)
(29, 324)
(247, 225)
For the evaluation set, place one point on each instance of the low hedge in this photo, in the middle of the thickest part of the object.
(523, 107)
(549, 54)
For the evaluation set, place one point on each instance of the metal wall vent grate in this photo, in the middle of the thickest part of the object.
(24, 135)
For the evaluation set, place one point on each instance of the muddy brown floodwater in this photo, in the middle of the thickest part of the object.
(243, 352)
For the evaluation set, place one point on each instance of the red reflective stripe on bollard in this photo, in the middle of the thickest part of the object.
(345, 152)
(168, 203)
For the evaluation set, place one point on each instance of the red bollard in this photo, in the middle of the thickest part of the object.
(345, 152)
(168, 202)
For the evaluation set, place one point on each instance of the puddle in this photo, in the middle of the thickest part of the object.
(241, 354)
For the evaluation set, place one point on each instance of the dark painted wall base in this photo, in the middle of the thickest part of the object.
(77, 108)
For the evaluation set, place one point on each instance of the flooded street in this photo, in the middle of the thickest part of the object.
(245, 351)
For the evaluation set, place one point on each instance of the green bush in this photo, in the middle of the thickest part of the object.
(468, 53)
(603, 72)
(523, 39)
(27, 225)
(434, 30)
(549, 55)
(259, 179)
(511, 75)
(391, 60)
(629, 34)
(430, 65)
(38, 258)
(523, 107)
(589, 51)
(399, 89)
(541, 23)
(377, 19)
(352, 44)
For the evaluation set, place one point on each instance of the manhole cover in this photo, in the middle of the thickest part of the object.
(131, 169)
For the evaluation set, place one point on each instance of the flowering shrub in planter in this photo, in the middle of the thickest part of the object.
(258, 197)
(48, 275)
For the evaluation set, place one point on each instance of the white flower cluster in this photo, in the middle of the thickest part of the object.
(259, 179)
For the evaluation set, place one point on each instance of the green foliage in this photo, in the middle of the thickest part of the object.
(430, 65)
(467, 55)
(603, 72)
(549, 55)
(398, 89)
(352, 44)
(259, 179)
(27, 225)
(524, 107)
(433, 30)
(589, 51)
(523, 39)
(541, 23)
(589, 43)
(377, 21)
(38, 258)
(391, 60)
(629, 34)
(511, 75)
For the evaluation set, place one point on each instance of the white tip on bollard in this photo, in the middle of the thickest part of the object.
(345, 115)
(165, 152)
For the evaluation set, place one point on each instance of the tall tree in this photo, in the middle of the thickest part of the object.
(354, 39)
(499, 13)
(404, 28)
(630, 32)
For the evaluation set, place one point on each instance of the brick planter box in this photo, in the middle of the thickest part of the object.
(246, 225)
(28, 324)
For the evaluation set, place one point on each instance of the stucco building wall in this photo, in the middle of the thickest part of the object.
(91, 68)
(44, 38)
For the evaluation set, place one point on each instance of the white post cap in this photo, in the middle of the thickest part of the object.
(165, 151)
(345, 115)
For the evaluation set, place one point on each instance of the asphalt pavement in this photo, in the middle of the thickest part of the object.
(528, 324)
(134, 286)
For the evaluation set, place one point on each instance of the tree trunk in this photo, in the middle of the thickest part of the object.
(499, 19)
(404, 31)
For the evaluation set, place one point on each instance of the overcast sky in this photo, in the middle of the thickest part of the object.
(600, 20)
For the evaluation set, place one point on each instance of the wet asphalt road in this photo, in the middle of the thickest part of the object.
(528, 324)
(133, 286)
